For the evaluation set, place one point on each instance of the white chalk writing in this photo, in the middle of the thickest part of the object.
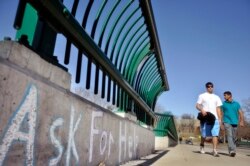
(71, 140)
(29, 106)
(58, 122)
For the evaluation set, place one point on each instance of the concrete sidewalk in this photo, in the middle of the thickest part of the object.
(189, 155)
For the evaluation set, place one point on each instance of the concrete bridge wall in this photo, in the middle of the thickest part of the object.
(43, 123)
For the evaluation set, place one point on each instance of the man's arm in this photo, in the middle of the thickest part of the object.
(200, 108)
(221, 118)
(219, 114)
(241, 118)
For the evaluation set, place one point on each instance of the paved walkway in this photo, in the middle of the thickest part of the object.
(189, 155)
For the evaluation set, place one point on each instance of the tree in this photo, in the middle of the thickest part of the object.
(187, 116)
(187, 123)
(160, 109)
(244, 132)
(246, 110)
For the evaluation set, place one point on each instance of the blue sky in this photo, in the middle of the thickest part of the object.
(201, 41)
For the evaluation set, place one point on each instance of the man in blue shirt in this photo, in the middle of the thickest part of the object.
(232, 116)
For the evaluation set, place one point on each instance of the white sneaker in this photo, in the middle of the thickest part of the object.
(202, 150)
(215, 153)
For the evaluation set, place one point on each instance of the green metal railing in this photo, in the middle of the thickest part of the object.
(165, 126)
(118, 37)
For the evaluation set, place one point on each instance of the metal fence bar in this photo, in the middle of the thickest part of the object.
(81, 39)
(165, 126)
(123, 48)
(147, 11)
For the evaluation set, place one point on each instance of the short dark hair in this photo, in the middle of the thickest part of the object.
(228, 93)
(209, 84)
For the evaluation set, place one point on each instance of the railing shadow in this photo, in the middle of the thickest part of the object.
(210, 153)
(149, 160)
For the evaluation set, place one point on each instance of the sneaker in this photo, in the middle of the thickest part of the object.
(215, 153)
(232, 153)
(202, 150)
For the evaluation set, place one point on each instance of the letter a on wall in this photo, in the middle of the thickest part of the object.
(27, 108)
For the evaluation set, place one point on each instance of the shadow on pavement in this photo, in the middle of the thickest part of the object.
(210, 153)
(225, 154)
(196, 151)
(154, 159)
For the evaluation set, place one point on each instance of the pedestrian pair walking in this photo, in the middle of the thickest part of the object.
(215, 115)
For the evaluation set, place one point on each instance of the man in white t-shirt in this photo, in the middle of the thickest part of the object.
(209, 102)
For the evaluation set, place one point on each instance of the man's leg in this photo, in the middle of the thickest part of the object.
(203, 137)
(235, 129)
(230, 138)
(202, 141)
(215, 143)
(215, 133)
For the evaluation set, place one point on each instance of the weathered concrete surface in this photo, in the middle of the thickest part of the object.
(161, 143)
(43, 123)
